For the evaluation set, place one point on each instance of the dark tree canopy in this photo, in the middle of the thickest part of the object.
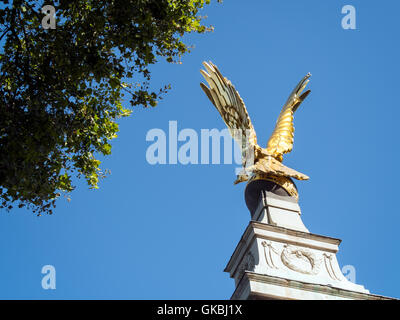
(61, 90)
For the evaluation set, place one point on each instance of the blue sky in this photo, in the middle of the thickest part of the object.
(167, 231)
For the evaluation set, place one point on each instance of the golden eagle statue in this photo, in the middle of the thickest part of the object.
(258, 163)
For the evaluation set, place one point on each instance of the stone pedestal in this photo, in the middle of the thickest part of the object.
(278, 258)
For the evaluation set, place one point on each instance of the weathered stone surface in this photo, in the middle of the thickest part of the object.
(278, 258)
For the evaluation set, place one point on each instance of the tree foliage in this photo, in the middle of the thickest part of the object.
(61, 90)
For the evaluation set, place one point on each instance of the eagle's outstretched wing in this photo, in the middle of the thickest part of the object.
(281, 140)
(231, 107)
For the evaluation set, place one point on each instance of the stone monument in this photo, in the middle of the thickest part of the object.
(277, 257)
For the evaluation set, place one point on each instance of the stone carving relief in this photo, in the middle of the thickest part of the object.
(300, 260)
(329, 266)
(269, 252)
(297, 259)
